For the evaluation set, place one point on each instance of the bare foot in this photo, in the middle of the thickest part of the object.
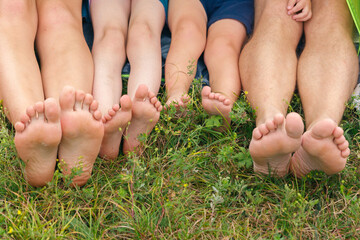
(216, 104)
(82, 132)
(323, 148)
(178, 100)
(115, 123)
(37, 137)
(145, 114)
(273, 143)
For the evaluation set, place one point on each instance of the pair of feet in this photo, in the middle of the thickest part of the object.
(322, 147)
(134, 117)
(213, 103)
(71, 131)
(76, 132)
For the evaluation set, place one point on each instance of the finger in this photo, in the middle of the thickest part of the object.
(291, 4)
(299, 6)
(303, 16)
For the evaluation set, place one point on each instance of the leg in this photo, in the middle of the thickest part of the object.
(66, 59)
(327, 75)
(64, 55)
(110, 21)
(144, 53)
(222, 52)
(37, 124)
(187, 22)
(268, 73)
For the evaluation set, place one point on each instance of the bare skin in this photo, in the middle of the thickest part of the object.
(145, 114)
(216, 104)
(274, 141)
(82, 131)
(187, 22)
(115, 122)
(323, 148)
(224, 41)
(38, 134)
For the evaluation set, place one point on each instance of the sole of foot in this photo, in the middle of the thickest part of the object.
(146, 110)
(216, 104)
(115, 122)
(38, 134)
(274, 141)
(323, 148)
(82, 133)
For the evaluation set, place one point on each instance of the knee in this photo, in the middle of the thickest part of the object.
(189, 33)
(55, 15)
(221, 46)
(16, 12)
(141, 33)
(112, 38)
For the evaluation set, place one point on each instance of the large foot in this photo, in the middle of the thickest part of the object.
(115, 123)
(82, 133)
(145, 114)
(37, 137)
(273, 143)
(323, 148)
(216, 104)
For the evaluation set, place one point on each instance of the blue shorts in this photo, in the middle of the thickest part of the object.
(241, 10)
(165, 3)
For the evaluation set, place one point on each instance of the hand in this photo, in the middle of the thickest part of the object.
(300, 10)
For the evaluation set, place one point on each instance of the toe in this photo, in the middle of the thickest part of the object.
(345, 153)
(270, 125)
(67, 98)
(19, 127)
(343, 146)
(206, 91)
(52, 110)
(141, 92)
(263, 129)
(125, 102)
(79, 99)
(339, 140)
(256, 134)
(338, 132)
(30, 111)
(88, 99)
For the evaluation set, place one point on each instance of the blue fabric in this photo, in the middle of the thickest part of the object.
(165, 3)
(241, 10)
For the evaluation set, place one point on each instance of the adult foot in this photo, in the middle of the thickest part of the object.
(145, 114)
(216, 104)
(115, 123)
(37, 137)
(273, 143)
(82, 133)
(323, 148)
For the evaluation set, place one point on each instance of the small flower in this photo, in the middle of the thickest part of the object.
(11, 230)
(246, 92)
(186, 185)
(19, 212)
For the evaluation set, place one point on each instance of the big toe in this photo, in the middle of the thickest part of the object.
(125, 103)
(142, 92)
(323, 129)
(52, 110)
(67, 98)
(206, 91)
(294, 125)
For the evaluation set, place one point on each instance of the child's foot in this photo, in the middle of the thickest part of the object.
(145, 114)
(115, 123)
(178, 101)
(273, 143)
(323, 148)
(216, 104)
(37, 137)
(82, 132)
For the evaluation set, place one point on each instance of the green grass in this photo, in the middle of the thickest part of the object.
(191, 182)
